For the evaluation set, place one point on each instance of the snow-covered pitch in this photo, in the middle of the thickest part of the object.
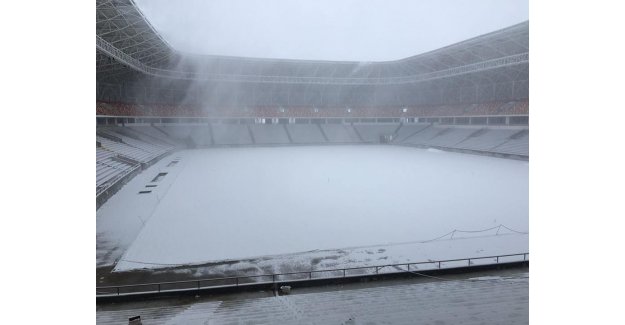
(236, 203)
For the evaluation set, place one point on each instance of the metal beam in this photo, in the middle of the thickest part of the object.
(133, 63)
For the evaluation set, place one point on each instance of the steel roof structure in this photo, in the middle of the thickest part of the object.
(134, 63)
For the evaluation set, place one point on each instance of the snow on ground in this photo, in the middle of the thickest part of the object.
(241, 203)
(443, 249)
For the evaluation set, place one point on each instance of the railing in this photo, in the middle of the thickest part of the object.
(240, 281)
(213, 119)
(110, 183)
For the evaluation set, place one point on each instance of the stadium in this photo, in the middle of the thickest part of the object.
(254, 190)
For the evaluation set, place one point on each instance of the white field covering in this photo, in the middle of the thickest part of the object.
(240, 203)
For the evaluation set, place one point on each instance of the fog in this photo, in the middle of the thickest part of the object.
(336, 30)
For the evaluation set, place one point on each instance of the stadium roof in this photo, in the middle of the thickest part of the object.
(335, 30)
(127, 44)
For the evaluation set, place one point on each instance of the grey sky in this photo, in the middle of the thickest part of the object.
(371, 30)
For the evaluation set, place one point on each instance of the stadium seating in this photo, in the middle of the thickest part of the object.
(231, 134)
(519, 107)
(177, 131)
(121, 151)
(408, 130)
(110, 168)
(152, 134)
(486, 139)
(495, 140)
(201, 135)
(269, 134)
(305, 133)
(371, 132)
(449, 137)
(517, 144)
(339, 133)
(125, 150)
(423, 136)
(132, 140)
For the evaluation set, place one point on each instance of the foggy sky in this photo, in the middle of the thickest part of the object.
(337, 30)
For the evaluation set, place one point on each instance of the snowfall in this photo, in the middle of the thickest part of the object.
(373, 204)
